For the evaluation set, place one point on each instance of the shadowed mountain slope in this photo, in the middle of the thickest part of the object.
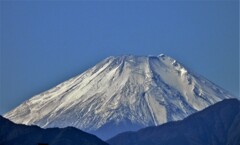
(218, 124)
(15, 134)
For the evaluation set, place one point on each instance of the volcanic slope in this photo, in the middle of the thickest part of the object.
(119, 94)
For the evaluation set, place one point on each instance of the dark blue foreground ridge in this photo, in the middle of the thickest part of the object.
(218, 124)
(16, 134)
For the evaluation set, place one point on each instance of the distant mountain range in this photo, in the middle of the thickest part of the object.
(119, 94)
(14, 134)
(218, 124)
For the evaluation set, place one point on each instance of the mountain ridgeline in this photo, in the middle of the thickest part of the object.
(15, 134)
(218, 124)
(123, 93)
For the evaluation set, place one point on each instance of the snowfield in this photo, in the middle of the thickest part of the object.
(120, 94)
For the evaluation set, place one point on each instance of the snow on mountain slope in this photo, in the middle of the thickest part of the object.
(119, 94)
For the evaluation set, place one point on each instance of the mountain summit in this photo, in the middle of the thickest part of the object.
(121, 94)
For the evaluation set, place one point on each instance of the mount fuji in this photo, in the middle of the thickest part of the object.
(119, 94)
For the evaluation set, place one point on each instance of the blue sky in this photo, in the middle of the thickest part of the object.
(45, 43)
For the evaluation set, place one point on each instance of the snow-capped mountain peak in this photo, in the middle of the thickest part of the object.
(119, 94)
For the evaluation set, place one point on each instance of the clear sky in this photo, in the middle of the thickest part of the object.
(45, 43)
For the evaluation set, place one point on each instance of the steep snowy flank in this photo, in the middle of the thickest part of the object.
(119, 94)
